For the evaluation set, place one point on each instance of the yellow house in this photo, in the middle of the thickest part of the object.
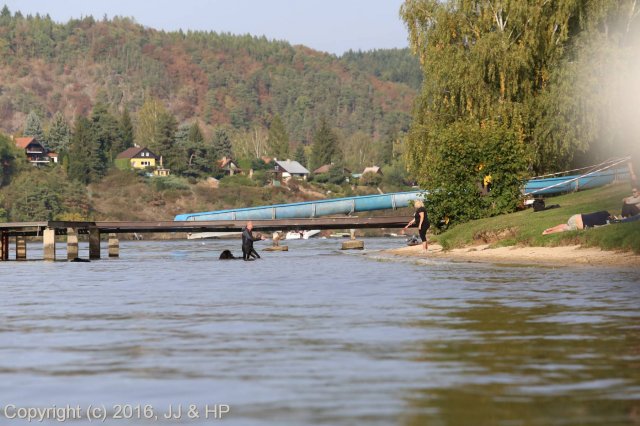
(139, 158)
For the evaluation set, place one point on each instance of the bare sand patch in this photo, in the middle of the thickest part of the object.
(564, 255)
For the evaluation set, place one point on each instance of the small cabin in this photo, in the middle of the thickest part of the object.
(289, 168)
(229, 166)
(36, 152)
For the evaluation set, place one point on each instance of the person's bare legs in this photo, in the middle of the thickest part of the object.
(558, 228)
(424, 246)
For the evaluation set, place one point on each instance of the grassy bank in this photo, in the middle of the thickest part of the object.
(525, 228)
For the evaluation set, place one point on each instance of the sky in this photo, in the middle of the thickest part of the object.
(333, 26)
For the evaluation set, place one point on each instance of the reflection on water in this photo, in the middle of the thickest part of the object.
(319, 336)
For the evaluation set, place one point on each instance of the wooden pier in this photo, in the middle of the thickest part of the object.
(48, 230)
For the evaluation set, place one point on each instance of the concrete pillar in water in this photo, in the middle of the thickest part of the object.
(94, 243)
(49, 244)
(114, 246)
(353, 244)
(21, 248)
(72, 244)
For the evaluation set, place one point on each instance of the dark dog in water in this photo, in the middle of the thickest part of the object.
(227, 255)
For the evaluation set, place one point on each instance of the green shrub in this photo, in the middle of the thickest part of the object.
(170, 182)
(460, 156)
(370, 179)
(122, 163)
(321, 178)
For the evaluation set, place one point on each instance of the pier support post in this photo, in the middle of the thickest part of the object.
(94, 243)
(49, 244)
(353, 244)
(72, 244)
(21, 248)
(114, 246)
(4, 246)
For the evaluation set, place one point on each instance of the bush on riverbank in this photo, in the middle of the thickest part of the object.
(525, 228)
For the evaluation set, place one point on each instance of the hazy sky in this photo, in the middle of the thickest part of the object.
(329, 25)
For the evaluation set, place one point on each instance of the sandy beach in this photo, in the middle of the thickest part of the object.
(555, 256)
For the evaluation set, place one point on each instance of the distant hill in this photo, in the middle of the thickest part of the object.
(241, 81)
(396, 65)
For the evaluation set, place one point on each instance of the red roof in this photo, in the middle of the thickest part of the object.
(224, 162)
(129, 152)
(322, 169)
(24, 142)
(133, 153)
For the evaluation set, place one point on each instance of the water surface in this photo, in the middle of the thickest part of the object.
(317, 336)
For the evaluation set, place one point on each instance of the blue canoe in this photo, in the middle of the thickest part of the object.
(559, 185)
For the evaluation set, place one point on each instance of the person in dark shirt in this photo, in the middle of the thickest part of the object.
(248, 252)
(581, 221)
(421, 220)
(631, 205)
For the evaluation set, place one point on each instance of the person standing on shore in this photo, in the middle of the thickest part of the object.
(421, 220)
(248, 252)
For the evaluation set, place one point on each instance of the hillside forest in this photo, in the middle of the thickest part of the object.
(89, 89)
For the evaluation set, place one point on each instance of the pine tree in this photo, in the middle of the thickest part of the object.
(106, 130)
(196, 149)
(8, 158)
(33, 127)
(166, 133)
(59, 135)
(325, 146)
(222, 144)
(278, 140)
(80, 151)
(300, 155)
(125, 134)
(179, 159)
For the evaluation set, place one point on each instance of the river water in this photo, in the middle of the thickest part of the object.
(317, 336)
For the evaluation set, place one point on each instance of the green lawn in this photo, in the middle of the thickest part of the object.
(525, 227)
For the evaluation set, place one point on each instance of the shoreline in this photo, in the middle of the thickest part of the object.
(544, 256)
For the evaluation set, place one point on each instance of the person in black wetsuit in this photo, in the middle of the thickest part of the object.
(248, 252)
(421, 220)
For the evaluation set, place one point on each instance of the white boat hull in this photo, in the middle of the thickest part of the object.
(302, 235)
(214, 235)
